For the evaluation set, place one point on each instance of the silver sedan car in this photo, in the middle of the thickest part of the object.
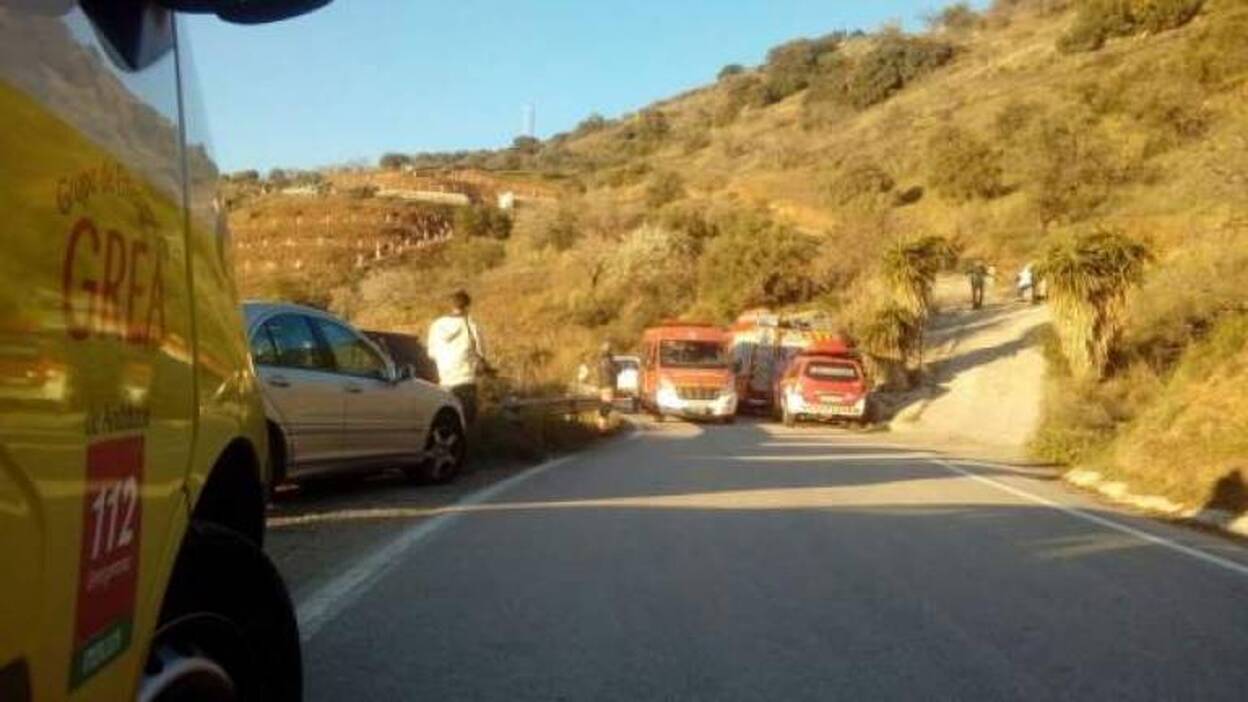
(335, 401)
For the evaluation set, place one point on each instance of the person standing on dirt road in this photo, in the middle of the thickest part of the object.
(978, 275)
(455, 345)
(1026, 284)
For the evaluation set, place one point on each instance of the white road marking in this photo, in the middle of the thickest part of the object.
(327, 601)
(1211, 559)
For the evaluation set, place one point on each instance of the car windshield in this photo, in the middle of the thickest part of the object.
(832, 370)
(675, 353)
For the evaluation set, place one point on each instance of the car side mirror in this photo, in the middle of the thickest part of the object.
(247, 11)
(407, 371)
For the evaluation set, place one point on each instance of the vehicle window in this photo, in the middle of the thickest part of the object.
(297, 346)
(692, 354)
(832, 371)
(351, 354)
(263, 350)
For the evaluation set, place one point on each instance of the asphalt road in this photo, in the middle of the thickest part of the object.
(756, 563)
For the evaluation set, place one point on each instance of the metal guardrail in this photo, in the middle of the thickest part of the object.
(513, 407)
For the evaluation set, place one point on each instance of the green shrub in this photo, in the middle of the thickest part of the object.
(957, 17)
(526, 144)
(482, 221)
(362, 192)
(896, 61)
(663, 188)
(790, 66)
(591, 310)
(626, 175)
(1160, 15)
(561, 232)
(1217, 52)
(697, 140)
(1185, 297)
(473, 256)
(1072, 170)
(394, 161)
(593, 123)
(651, 126)
(753, 262)
(962, 167)
(732, 69)
(738, 92)
(1100, 20)
(1014, 118)
(858, 179)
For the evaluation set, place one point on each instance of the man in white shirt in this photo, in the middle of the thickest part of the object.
(456, 347)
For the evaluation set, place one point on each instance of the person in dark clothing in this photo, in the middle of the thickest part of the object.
(606, 383)
(978, 275)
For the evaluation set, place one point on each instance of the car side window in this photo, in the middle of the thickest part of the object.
(263, 350)
(296, 344)
(351, 354)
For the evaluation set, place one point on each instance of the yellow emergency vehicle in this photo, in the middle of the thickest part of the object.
(132, 440)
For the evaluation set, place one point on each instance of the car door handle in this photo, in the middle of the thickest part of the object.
(279, 382)
(354, 389)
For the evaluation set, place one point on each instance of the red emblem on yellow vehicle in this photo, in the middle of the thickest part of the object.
(109, 563)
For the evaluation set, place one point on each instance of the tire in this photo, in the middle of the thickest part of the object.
(227, 629)
(446, 448)
(869, 414)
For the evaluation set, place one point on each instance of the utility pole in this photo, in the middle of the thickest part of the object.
(528, 117)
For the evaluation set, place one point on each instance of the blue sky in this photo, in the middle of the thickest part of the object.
(362, 77)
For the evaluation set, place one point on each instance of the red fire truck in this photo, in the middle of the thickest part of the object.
(763, 344)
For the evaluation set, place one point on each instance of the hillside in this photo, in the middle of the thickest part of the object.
(790, 184)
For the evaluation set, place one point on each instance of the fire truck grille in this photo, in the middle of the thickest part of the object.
(692, 392)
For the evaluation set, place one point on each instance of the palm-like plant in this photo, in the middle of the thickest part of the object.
(890, 337)
(910, 270)
(1088, 278)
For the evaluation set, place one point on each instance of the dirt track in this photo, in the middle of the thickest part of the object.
(986, 382)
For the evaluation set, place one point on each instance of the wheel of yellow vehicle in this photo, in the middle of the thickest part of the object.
(445, 451)
(227, 629)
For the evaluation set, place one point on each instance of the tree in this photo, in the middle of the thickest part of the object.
(526, 144)
(956, 18)
(1088, 278)
(394, 161)
(592, 123)
(755, 261)
(732, 69)
(896, 61)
